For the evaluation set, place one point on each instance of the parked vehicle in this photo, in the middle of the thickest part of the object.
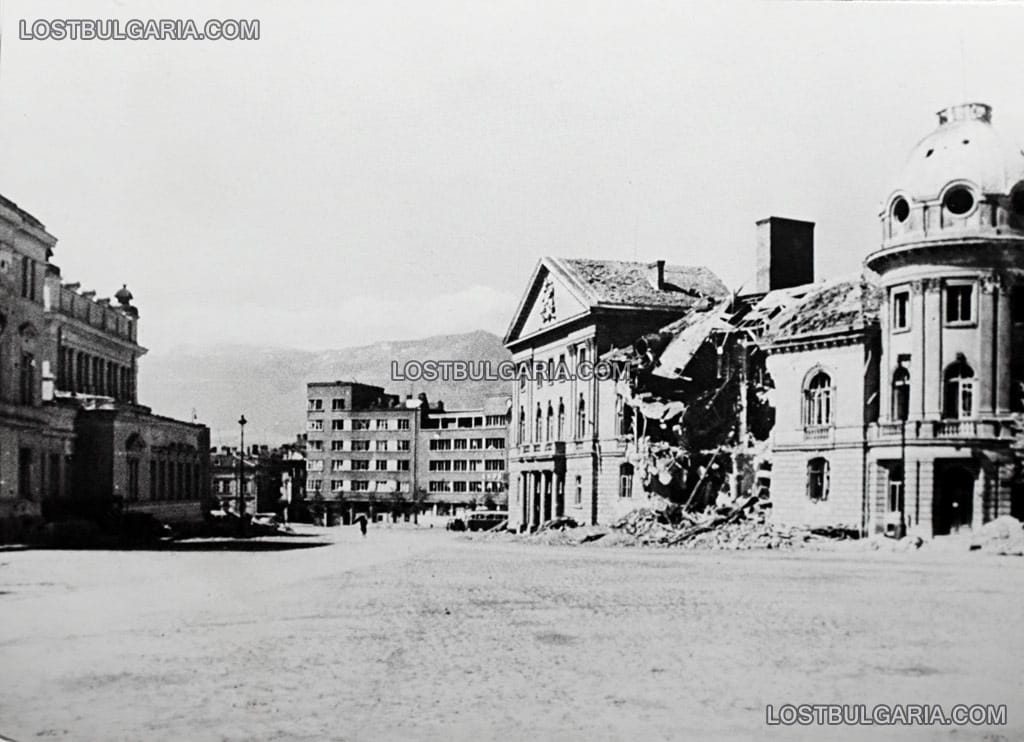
(483, 520)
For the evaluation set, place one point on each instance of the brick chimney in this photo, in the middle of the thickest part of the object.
(785, 254)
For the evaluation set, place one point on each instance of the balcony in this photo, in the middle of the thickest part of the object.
(939, 430)
(819, 433)
(543, 450)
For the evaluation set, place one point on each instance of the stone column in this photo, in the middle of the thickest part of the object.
(885, 363)
(987, 321)
(1003, 349)
(920, 333)
(931, 342)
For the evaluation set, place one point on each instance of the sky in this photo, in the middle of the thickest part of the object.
(390, 170)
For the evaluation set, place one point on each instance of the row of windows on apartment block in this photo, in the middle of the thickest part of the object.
(959, 305)
(360, 424)
(403, 465)
(435, 444)
(346, 485)
(958, 387)
(83, 373)
(350, 485)
(316, 404)
(359, 465)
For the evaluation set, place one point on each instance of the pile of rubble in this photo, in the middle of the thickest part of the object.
(743, 526)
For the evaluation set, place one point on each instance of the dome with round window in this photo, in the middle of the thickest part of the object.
(965, 179)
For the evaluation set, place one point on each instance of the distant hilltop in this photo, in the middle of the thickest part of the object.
(221, 382)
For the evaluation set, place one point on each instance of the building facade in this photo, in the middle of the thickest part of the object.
(70, 423)
(569, 431)
(906, 416)
(370, 452)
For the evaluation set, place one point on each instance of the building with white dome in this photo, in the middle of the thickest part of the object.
(899, 394)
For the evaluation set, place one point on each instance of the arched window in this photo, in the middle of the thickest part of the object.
(538, 425)
(817, 479)
(581, 419)
(900, 393)
(626, 480)
(818, 400)
(549, 428)
(958, 387)
(561, 420)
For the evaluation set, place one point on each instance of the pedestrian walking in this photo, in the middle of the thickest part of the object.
(362, 525)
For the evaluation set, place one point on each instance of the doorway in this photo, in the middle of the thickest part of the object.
(954, 499)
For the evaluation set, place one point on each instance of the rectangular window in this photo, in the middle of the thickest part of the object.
(337, 424)
(494, 465)
(402, 445)
(336, 445)
(337, 404)
(459, 487)
(381, 465)
(440, 445)
(403, 465)
(360, 486)
(315, 425)
(817, 479)
(381, 446)
(959, 304)
(28, 363)
(441, 465)
(494, 421)
(360, 425)
(337, 465)
(460, 465)
(315, 465)
(901, 310)
(461, 444)
(382, 424)
(476, 444)
(315, 485)
(579, 490)
(337, 485)
(495, 443)
(316, 445)
(28, 278)
(360, 445)
(896, 489)
(476, 487)
(361, 465)
(403, 424)
(315, 405)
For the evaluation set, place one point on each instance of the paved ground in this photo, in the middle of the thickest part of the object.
(411, 635)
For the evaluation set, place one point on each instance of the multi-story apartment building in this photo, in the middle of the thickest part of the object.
(70, 423)
(372, 452)
(462, 458)
(569, 424)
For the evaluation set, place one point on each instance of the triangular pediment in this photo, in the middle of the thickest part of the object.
(552, 297)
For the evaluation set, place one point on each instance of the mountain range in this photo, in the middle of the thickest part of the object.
(217, 384)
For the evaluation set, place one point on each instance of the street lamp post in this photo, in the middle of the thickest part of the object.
(241, 472)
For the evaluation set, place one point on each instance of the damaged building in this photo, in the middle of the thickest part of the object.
(884, 402)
